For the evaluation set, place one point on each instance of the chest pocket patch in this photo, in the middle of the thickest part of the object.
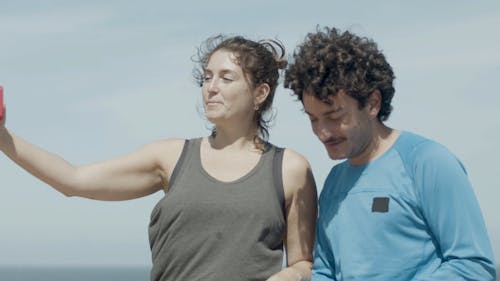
(380, 205)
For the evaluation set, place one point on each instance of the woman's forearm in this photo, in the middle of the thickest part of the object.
(44, 165)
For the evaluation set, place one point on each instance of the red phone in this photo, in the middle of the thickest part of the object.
(1, 103)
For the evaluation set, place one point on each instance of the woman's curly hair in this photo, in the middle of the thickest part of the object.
(261, 61)
(329, 61)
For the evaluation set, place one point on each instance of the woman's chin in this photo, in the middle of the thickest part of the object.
(213, 117)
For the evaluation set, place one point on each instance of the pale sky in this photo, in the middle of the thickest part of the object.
(91, 80)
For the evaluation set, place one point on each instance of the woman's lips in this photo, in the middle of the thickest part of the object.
(213, 102)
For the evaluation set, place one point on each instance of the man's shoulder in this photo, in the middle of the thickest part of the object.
(410, 145)
(417, 151)
(408, 141)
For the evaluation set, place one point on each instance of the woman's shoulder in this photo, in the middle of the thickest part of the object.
(168, 150)
(297, 175)
(170, 144)
(296, 167)
(294, 161)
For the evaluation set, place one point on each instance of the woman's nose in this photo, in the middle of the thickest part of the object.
(213, 85)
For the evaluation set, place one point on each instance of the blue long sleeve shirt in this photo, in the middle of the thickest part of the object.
(410, 214)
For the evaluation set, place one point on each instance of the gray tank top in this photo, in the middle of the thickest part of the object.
(205, 229)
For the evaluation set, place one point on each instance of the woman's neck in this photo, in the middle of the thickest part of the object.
(234, 139)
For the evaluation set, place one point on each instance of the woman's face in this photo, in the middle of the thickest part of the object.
(227, 95)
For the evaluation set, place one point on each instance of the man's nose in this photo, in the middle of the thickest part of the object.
(323, 131)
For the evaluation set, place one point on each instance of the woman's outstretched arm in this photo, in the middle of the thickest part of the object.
(134, 175)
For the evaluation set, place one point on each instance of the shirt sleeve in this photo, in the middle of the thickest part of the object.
(324, 263)
(453, 217)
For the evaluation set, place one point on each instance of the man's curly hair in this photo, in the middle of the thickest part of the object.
(329, 61)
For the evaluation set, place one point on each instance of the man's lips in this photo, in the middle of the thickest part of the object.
(333, 142)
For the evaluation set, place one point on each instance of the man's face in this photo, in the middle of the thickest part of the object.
(344, 128)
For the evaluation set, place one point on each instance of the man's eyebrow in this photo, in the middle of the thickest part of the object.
(335, 110)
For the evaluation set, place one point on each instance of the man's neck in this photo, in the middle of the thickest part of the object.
(382, 139)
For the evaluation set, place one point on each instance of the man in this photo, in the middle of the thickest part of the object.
(401, 207)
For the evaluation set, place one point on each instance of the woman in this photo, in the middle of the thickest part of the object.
(231, 199)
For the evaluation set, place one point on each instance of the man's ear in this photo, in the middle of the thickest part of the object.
(374, 103)
(261, 93)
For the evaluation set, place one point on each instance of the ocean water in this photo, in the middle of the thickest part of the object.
(80, 273)
(74, 273)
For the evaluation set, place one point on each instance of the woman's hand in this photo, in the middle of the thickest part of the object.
(297, 272)
(3, 116)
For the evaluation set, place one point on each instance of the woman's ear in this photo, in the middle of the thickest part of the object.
(260, 94)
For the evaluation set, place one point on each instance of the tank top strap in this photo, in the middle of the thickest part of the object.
(278, 176)
(188, 150)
